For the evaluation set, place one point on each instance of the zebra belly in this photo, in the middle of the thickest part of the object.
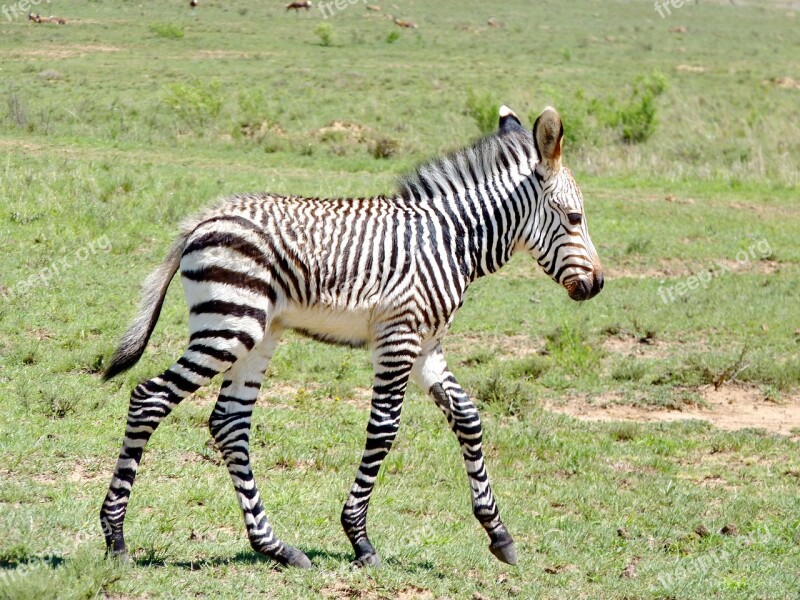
(348, 327)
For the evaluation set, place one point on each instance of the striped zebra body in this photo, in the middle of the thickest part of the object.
(388, 273)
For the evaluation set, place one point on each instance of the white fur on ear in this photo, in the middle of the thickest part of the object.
(509, 121)
(505, 111)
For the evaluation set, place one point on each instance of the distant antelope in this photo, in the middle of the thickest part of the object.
(298, 5)
(405, 24)
(193, 3)
(50, 19)
(373, 7)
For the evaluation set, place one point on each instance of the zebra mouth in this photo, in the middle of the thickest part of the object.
(584, 288)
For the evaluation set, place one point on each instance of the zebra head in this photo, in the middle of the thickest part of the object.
(556, 234)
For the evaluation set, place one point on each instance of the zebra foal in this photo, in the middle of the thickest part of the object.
(388, 273)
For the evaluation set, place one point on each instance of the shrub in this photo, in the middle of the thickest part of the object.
(167, 31)
(497, 393)
(384, 147)
(484, 111)
(636, 115)
(629, 369)
(196, 105)
(572, 351)
(392, 37)
(325, 34)
(530, 368)
(587, 121)
(579, 114)
(17, 110)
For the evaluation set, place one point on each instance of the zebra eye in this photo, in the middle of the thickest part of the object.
(574, 218)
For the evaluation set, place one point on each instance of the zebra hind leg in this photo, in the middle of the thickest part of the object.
(150, 404)
(230, 425)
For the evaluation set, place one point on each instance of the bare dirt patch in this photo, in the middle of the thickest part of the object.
(691, 68)
(634, 346)
(730, 408)
(262, 129)
(352, 131)
(217, 54)
(787, 83)
(339, 590)
(61, 52)
(20, 147)
(360, 397)
(505, 347)
(768, 210)
(82, 473)
(671, 268)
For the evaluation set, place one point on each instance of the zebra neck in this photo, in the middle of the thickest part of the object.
(496, 211)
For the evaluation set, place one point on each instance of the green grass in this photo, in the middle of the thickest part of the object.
(112, 129)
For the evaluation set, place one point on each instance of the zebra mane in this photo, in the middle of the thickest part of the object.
(469, 167)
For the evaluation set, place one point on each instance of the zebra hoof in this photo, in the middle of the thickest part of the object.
(368, 560)
(119, 555)
(292, 557)
(506, 553)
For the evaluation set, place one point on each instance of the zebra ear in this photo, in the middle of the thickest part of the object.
(548, 133)
(509, 121)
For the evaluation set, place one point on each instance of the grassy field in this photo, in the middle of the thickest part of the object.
(134, 114)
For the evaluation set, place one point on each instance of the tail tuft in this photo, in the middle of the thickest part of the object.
(134, 341)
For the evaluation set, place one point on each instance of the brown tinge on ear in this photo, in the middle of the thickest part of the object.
(548, 132)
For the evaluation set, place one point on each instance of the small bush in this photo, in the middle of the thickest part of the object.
(484, 110)
(624, 431)
(168, 31)
(481, 356)
(629, 369)
(530, 368)
(196, 105)
(56, 405)
(780, 375)
(636, 115)
(632, 119)
(17, 110)
(572, 352)
(638, 245)
(496, 392)
(384, 147)
(325, 34)
(580, 115)
(392, 37)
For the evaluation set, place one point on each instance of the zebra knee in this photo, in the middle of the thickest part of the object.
(229, 430)
(149, 405)
(216, 422)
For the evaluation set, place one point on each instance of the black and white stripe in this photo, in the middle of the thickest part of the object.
(388, 273)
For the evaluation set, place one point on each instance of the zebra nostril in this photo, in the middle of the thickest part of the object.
(597, 284)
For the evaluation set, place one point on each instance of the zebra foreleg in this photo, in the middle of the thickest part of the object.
(431, 374)
(392, 365)
(230, 425)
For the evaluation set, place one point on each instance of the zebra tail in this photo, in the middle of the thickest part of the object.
(134, 341)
